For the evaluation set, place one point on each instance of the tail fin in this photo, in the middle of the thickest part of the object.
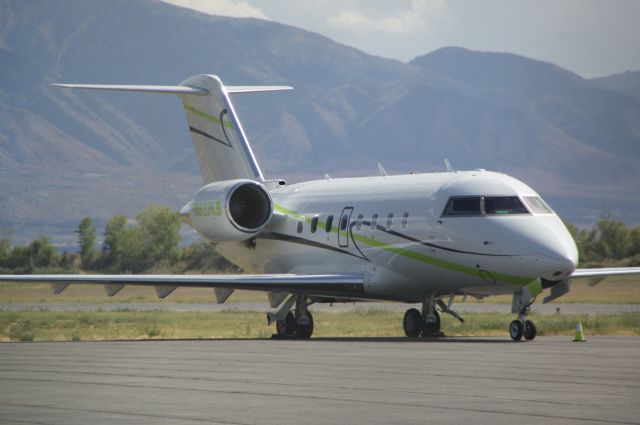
(221, 145)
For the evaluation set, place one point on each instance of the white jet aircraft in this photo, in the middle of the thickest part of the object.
(418, 238)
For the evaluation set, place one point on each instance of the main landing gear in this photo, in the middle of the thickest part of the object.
(427, 322)
(293, 325)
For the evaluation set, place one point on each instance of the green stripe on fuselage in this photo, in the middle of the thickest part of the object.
(416, 256)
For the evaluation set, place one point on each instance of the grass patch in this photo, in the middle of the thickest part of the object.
(91, 326)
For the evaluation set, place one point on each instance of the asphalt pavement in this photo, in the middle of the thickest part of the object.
(323, 381)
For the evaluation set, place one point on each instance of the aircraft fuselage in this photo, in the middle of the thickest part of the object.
(394, 229)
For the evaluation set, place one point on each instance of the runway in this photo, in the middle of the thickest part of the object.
(322, 381)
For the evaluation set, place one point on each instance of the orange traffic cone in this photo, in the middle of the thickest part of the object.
(579, 333)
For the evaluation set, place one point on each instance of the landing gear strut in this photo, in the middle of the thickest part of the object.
(290, 324)
(427, 322)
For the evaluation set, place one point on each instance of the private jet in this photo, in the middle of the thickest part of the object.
(416, 238)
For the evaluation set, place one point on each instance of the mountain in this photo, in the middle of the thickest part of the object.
(69, 154)
(626, 82)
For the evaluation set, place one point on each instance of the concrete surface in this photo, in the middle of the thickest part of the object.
(322, 381)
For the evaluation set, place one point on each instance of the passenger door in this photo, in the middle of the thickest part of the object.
(343, 227)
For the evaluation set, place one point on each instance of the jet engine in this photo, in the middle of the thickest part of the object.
(230, 210)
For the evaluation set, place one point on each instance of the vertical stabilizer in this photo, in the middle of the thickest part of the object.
(221, 146)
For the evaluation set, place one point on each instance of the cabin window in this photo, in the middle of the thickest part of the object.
(314, 224)
(389, 221)
(468, 205)
(405, 219)
(500, 205)
(374, 221)
(327, 227)
(300, 226)
(359, 222)
(537, 205)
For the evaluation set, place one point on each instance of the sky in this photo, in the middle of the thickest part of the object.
(589, 37)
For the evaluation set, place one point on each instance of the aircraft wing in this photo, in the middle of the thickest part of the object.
(330, 285)
(595, 276)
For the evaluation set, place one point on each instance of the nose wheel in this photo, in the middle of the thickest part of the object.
(529, 331)
(517, 330)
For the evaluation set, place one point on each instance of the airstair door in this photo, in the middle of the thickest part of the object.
(343, 227)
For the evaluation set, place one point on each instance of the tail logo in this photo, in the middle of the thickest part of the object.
(224, 124)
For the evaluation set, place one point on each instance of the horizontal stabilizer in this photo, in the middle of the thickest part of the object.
(143, 89)
(255, 89)
(221, 145)
(171, 89)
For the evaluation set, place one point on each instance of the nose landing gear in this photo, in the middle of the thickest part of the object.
(518, 329)
(522, 326)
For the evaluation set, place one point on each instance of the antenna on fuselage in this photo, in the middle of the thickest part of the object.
(447, 164)
(381, 170)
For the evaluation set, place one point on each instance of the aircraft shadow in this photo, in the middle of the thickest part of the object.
(366, 339)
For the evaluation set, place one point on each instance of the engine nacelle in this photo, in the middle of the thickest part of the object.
(230, 210)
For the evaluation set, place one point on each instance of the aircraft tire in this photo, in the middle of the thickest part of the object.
(286, 327)
(516, 330)
(412, 323)
(305, 331)
(432, 328)
(529, 332)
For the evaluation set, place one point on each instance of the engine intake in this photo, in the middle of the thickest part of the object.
(230, 210)
(249, 206)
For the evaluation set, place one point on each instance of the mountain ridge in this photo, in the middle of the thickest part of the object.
(350, 110)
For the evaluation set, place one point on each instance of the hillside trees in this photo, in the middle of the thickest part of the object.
(86, 240)
(154, 238)
(151, 244)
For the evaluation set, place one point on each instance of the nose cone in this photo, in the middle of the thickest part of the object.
(560, 261)
(545, 241)
(555, 250)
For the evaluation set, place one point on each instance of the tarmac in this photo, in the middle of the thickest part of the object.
(323, 381)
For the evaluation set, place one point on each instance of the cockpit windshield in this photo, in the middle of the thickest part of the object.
(504, 205)
(537, 205)
(468, 205)
(484, 205)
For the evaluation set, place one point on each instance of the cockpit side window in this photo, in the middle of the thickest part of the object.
(468, 205)
(504, 205)
(537, 205)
